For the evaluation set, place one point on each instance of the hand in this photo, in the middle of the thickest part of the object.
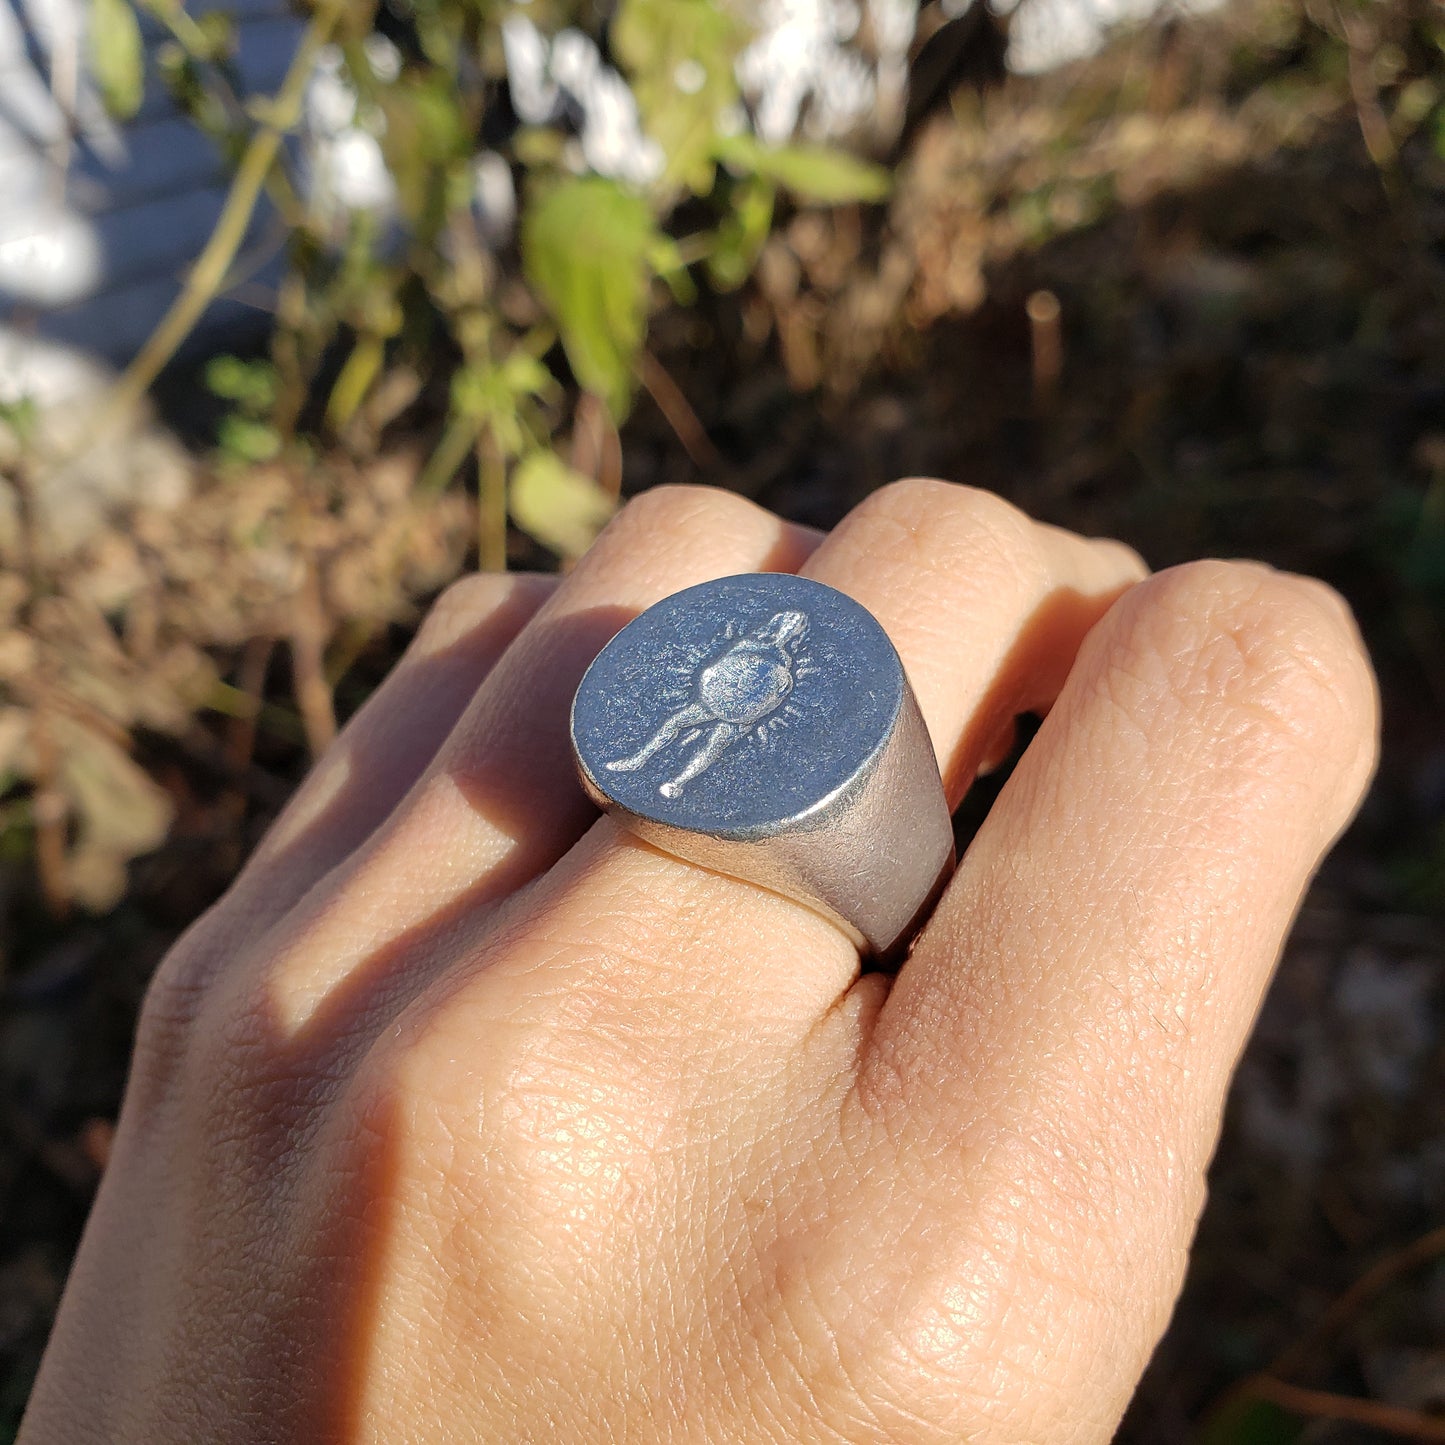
(466, 1117)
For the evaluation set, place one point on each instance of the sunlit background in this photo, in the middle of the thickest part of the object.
(305, 311)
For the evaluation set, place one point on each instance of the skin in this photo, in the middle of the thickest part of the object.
(465, 1117)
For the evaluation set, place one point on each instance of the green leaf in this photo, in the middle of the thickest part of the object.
(21, 416)
(558, 506)
(537, 146)
(524, 375)
(117, 59)
(678, 55)
(245, 440)
(810, 172)
(742, 233)
(252, 385)
(585, 248)
(669, 265)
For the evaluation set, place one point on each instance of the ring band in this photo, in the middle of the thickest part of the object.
(762, 726)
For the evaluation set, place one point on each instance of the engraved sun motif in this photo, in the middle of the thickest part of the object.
(743, 691)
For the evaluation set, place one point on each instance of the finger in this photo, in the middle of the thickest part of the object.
(393, 738)
(1049, 1068)
(986, 609)
(985, 606)
(501, 801)
(362, 777)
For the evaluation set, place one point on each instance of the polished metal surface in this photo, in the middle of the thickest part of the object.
(762, 726)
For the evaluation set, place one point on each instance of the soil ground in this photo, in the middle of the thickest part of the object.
(1191, 293)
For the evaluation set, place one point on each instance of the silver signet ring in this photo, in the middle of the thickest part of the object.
(762, 726)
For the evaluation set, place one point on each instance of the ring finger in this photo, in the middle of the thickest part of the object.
(987, 610)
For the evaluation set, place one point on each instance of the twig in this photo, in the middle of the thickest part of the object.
(356, 636)
(211, 267)
(251, 683)
(1374, 128)
(1299, 1351)
(1399, 1262)
(308, 666)
(679, 414)
(1046, 346)
(491, 504)
(459, 437)
(1361, 49)
(46, 694)
(1325, 1405)
(596, 447)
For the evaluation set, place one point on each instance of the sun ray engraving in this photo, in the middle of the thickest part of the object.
(743, 692)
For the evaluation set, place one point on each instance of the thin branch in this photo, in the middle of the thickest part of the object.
(1365, 92)
(240, 745)
(680, 415)
(308, 665)
(1384, 1272)
(1046, 347)
(596, 447)
(1299, 1352)
(1325, 1405)
(491, 504)
(213, 264)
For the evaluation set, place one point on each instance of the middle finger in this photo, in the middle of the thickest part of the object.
(986, 609)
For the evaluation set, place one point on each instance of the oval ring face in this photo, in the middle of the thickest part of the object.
(737, 707)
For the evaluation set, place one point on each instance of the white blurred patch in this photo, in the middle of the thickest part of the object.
(50, 252)
(689, 76)
(547, 79)
(383, 57)
(38, 97)
(1045, 34)
(344, 168)
(800, 74)
(49, 255)
(47, 373)
(494, 198)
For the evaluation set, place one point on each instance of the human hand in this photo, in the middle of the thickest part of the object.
(465, 1116)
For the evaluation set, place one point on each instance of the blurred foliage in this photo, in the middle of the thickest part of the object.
(468, 276)
(116, 57)
(509, 259)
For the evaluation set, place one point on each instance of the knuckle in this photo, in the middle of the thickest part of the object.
(678, 532)
(468, 600)
(458, 606)
(686, 510)
(1279, 650)
(547, 1126)
(167, 1016)
(468, 595)
(921, 502)
(198, 1032)
(174, 1001)
(950, 526)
